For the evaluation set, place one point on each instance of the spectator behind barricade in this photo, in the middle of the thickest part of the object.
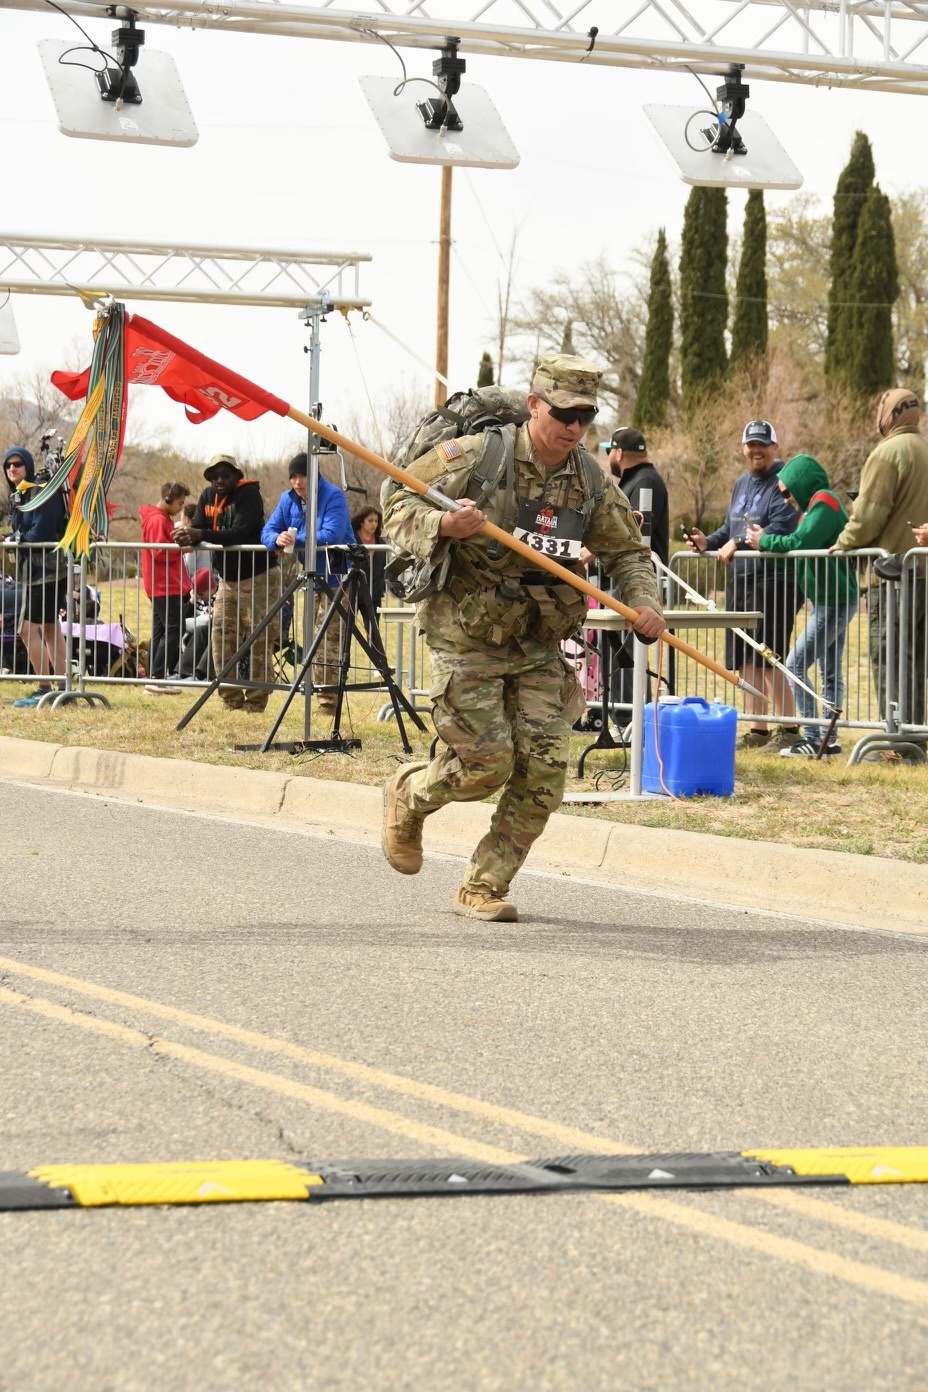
(166, 582)
(12, 653)
(628, 462)
(367, 526)
(195, 663)
(286, 529)
(42, 569)
(200, 558)
(893, 495)
(770, 588)
(830, 584)
(230, 514)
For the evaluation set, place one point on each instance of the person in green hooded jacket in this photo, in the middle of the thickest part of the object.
(828, 582)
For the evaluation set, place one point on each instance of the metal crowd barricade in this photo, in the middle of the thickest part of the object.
(913, 646)
(854, 682)
(107, 626)
(899, 656)
(37, 617)
(127, 618)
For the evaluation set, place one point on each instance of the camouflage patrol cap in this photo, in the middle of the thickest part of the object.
(565, 380)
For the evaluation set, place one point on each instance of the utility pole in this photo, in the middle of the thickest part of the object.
(444, 280)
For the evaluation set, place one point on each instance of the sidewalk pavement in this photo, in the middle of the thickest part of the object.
(832, 886)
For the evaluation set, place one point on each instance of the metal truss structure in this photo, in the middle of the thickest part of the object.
(166, 271)
(869, 45)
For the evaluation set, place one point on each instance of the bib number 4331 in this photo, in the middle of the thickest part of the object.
(552, 531)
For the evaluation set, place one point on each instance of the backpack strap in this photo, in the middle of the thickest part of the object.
(496, 456)
(593, 479)
(828, 499)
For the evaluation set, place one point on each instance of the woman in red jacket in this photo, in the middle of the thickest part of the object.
(166, 582)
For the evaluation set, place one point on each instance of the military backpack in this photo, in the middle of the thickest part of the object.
(496, 414)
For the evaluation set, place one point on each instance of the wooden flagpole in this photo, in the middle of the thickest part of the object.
(538, 560)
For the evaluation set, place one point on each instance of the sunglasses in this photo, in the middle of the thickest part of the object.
(571, 415)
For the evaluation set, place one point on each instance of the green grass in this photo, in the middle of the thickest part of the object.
(867, 810)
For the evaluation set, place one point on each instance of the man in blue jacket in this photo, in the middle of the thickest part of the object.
(769, 586)
(285, 530)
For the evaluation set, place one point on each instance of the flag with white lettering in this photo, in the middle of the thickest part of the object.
(156, 358)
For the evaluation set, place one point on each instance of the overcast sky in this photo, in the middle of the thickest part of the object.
(289, 155)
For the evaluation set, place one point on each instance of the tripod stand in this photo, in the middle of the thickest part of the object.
(351, 597)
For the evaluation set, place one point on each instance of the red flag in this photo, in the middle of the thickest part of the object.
(202, 386)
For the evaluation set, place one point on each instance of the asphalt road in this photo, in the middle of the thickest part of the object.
(605, 1020)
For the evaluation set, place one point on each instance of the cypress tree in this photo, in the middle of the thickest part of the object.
(485, 371)
(703, 298)
(653, 394)
(749, 330)
(871, 365)
(854, 184)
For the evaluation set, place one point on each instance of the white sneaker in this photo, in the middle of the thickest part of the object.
(163, 690)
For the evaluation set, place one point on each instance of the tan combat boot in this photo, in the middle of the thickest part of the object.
(401, 839)
(478, 903)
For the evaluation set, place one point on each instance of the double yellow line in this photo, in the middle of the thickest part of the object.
(863, 1275)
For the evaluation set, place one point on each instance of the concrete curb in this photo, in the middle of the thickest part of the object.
(841, 888)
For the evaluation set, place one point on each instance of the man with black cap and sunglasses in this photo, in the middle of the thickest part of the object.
(504, 699)
(628, 463)
(627, 460)
(769, 586)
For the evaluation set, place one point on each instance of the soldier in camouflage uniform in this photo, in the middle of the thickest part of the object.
(504, 699)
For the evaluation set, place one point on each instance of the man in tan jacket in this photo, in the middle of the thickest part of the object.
(894, 495)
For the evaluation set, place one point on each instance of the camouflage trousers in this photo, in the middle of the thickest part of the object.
(237, 609)
(505, 722)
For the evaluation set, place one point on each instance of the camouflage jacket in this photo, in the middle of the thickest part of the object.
(496, 603)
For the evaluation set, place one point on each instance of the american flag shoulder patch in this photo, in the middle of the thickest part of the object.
(451, 449)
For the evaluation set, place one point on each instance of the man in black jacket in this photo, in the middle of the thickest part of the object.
(230, 514)
(627, 460)
(642, 485)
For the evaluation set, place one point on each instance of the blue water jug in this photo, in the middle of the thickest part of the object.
(697, 747)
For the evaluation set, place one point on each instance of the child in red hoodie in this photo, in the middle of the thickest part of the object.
(166, 582)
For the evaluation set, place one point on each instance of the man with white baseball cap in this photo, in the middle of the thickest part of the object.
(769, 586)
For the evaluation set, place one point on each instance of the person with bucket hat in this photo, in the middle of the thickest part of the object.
(503, 698)
(230, 515)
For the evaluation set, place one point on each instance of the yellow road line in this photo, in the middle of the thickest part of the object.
(864, 1223)
(271, 1082)
(568, 1136)
(573, 1138)
(872, 1279)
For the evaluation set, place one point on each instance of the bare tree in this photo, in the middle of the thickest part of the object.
(396, 414)
(601, 312)
(504, 305)
(30, 408)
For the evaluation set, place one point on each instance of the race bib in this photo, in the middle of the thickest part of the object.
(553, 531)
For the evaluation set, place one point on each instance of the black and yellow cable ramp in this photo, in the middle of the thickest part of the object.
(261, 1181)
